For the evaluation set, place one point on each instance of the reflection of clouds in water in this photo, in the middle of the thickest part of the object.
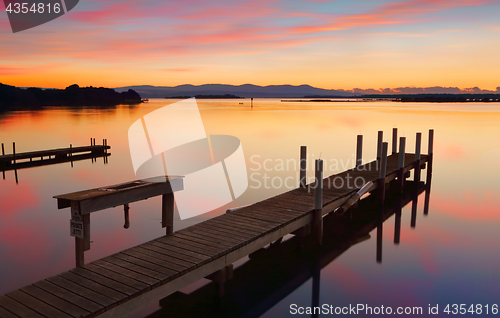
(490, 159)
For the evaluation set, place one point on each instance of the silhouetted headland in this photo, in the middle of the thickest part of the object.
(74, 95)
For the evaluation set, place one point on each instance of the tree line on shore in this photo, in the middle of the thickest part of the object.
(74, 95)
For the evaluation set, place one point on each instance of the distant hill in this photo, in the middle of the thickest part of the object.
(226, 96)
(247, 90)
(14, 97)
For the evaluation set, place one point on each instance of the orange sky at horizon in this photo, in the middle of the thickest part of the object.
(326, 44)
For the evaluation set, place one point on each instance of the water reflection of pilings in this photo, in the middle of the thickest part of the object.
(273, 273)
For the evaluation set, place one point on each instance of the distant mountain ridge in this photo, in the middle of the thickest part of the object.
(246, 90)
(290, 91)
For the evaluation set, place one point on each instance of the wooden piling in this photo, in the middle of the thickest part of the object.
(3, 154)
(359, 151)
(167, 213)
(379, 242)
(430, 151)
(414, 205)
(418, 144)
(317, 226)
(126, 209)
(383, 172)
(14, 152)
(428, 179)
(303, 166)
(401, 162)
(394, 140)
(397, 223)
(379, 144)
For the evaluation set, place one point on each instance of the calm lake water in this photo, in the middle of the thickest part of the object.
(450, 257)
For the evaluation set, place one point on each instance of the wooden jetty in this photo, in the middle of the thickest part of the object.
(16, 161)
(286, 265)
(119, 284)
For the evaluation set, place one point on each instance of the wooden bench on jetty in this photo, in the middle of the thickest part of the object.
(117, 285)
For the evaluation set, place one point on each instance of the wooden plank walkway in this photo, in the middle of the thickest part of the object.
(116, 285)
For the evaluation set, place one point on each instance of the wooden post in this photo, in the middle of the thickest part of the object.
(401, 162)
(94, 141)
(430, 151)
(303, 166)
(359, 151)
(397, 224)
(379, 242)
(418, 144)
(252, 101)
(429, 172)
(79, 242)
(379, 144)
(383, 172)
(90, 141)
(394, 140)
(317, 226)
(126, 209)
(71, 154)
(14, 152)
(414, 204)
(167, 213)
(3, 154)
(427, 193)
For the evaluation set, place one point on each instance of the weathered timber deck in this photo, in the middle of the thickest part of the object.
(116, 285)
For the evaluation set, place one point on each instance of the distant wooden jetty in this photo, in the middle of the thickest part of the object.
(117, 285)
(52, 156)
(17, 161)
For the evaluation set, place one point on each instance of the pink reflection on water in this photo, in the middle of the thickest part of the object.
(16, 199)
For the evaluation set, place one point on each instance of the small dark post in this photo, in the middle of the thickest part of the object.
(414, 204)
(394, 140)
(71, 154)
(303, 166)
(14, 158)
(430, 151)
(3, 154)
(401, 162)
(167, 213)
(14, 152)
(90, 141)
(427, 193)
(379, 242)
(379, 144)
(397, 224)
(252, 101)
(126, 209)
(359, 151)
(94, 141)
(317, 226)
(383, 173)
(428, 180)
(418, 144)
